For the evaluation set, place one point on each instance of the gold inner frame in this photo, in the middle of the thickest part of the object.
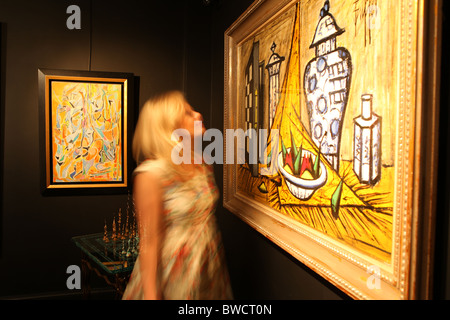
(48, 156)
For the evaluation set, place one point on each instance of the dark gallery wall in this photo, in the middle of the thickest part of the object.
(442, 253)
(167, 45)
(141, 37)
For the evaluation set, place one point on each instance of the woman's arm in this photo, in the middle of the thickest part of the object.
(148, 202)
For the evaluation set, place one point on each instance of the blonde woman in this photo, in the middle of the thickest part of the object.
(181, 255)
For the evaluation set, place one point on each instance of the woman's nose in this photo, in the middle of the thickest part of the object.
(198, 116)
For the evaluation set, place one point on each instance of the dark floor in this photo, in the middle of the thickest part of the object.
(96, 294)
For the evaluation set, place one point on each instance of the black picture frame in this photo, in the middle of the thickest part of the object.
(90, 153)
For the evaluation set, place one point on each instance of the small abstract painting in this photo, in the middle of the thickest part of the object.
(86, 131)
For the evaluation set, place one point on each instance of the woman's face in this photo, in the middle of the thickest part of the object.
(189, 119)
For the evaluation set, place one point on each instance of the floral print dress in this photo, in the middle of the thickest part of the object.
(192, 262)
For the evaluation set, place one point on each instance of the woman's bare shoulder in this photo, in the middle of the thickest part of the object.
(152, 167)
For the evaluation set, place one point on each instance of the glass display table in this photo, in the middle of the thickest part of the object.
(113, 261)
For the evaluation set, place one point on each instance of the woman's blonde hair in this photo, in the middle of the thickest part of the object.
(158, 118)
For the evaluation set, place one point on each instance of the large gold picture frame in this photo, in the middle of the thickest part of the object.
(338, 100)
(85, 118)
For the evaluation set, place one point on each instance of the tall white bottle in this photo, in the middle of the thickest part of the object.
(367, 143)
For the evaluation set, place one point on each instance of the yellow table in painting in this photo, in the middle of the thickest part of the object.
(365, 214)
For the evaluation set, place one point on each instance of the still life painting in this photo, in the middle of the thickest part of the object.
(333, 173)
(323, 79)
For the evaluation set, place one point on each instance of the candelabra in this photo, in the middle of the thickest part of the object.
(124, 238)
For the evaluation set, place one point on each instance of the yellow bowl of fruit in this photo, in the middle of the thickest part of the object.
(303, 172)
